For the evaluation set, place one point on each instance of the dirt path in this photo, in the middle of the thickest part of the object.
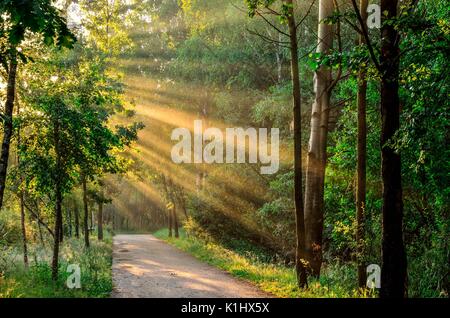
(146, 267)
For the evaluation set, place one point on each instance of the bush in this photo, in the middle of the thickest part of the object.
(95, 264)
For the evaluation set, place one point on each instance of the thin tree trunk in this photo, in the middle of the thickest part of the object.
(175, 222)
(57, 233)
(172, 196)
(61, 229)
(24, 230)
(77, 220)
(298, 178)
(41, 236)
(317, 157)
(170, 223)
(113, 216)
(393, 273)
(58, 203)
(100, 221)
(361, 169)
(179, 194)
(69, 222)
(58, 212)
(86, 214)
(38, 218)
(169, 212)
(278, 54)
(21, 198)
(7, 126)
(91, 218)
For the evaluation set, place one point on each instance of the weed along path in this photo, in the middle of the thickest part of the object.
(144, 266)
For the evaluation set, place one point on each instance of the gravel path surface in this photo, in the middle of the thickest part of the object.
(146, 267)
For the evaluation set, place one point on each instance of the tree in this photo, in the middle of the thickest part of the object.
(86, 212)
(97, 195)
(169, 202)
(106, 22)
(99, 96)
(317, 156)
(394, 271)
(361, 165)
(288, 17)
(70, 136)
(174, 203)
(49, 155)
(38, 17)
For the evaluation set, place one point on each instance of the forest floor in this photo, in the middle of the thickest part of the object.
(144, 266)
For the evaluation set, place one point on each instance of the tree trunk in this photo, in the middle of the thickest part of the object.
(86, 214)
(77, 220)
(393, 274)
(169, 216)
(317, 157)
(113, 217)
(298, 178)
(24, 230)
(361, 166)
(61, 229)
(169, 212)
(100, 221)
(179, 194)
(91, 217)
(175, 221)
(279, 56)
(38, 217)
(69, 222)
(22, 198)
(7, 126)
(58, 204)
(57, 234)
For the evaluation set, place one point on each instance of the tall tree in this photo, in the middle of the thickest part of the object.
(58, 194)
(287, 16)
(394, 263)
(86, 212)
(317, 157)
(22, 200)
(393, 272)
(21, 18)
(362, 155)
(76, 213)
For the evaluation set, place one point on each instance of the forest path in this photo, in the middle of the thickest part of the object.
(146, 267)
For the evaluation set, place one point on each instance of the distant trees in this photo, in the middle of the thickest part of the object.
(98, 195)
(173, 201)
(106, 22)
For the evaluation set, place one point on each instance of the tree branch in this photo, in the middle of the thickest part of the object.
(366, 36)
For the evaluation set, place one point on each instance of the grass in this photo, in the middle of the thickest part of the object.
(280, 281)
(35, 282)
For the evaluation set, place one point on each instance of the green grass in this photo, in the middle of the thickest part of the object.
(36, 282)
(280, 281)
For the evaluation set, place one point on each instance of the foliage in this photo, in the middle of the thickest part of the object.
(36, 282)
(39, 17)
(277, 280)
